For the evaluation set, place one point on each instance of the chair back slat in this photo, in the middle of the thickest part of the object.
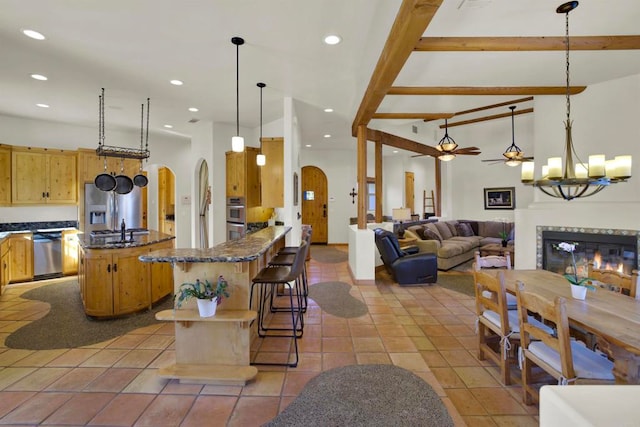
(552, 311)
(626, 284)
(491, 295)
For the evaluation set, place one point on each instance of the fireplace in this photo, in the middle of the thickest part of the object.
(608, 249)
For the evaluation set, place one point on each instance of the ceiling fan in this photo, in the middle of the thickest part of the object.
(447, 149)
(513, 155)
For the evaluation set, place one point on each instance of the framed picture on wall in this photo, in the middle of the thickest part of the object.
(500, 198)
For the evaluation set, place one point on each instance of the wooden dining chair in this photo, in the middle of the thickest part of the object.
(497, 326)
(566, 360)
(626, 284)
(492, 261)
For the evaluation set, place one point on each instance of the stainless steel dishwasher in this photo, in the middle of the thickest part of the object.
(47, 253)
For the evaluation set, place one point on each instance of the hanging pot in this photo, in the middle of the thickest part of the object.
(105, 181)
(124, 184)
(140, 179)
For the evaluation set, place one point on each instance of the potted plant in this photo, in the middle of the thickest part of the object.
(504, 236)
(208, 295)
(579, 286)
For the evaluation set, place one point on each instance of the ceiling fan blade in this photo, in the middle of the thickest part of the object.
(492, 160)
(473, 151)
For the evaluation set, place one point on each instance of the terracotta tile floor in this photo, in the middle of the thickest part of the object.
(428, 330)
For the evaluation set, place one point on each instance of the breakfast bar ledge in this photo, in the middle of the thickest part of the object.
(216, 350)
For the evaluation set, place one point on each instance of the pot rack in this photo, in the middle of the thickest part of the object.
(104, 150)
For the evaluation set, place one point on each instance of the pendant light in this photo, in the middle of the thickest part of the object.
(575, 180)
(237, 142)
(261, 159)
(446, 145)
(513, 153)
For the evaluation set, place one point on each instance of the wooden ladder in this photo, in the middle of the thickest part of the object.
(428, 206)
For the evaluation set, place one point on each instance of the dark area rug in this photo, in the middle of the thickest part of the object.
(66, 325)
(334, 298)
(458, 282)
(365, 395)
(328, 254)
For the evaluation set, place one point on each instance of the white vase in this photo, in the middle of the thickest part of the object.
(578, 292)
(207, 308)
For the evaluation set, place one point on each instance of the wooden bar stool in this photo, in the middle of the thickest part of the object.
(267, 280)
(287, 260)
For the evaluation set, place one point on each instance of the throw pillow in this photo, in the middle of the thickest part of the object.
(464, 229)
(431, 235)
(443, 229)
(432, 226)
(418, 230)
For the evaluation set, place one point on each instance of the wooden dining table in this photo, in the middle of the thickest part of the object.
(613, 318)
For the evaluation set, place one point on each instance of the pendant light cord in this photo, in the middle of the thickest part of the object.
(567, 71)
(237, 89)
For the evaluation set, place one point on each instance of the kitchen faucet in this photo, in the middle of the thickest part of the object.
(123, 229)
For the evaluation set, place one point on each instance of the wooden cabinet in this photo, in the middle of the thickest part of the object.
(5, 175)
(168, 227)
(166, 200)
(243, 176)
(272, 173)
(21, 257)
(90, 165)
(69, 252)
(5, 264)
(114, 282)
(43, 176)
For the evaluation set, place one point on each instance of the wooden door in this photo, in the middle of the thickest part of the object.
(98, 286)
(315, 211)
(130, 282)
(408, 191)
(161, 275)
(5, 176)
(28, 183)
(21, 256)
(61, 179)
(69, 252)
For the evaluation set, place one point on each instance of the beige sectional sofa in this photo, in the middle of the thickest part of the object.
(455, 242)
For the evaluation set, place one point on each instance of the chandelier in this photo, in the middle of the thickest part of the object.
(579, 179)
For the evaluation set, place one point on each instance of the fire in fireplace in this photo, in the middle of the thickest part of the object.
(607, 251)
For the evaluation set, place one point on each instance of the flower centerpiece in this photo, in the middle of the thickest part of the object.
(579, 285)
(207, 294)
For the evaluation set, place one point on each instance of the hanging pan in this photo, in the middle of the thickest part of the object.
(140, 179)
(124, 184)
(105, 181)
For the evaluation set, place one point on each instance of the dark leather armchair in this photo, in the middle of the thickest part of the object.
(405, 268)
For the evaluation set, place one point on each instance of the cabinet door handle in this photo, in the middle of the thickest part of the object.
(109, 268)
(115, 268)
(43, 196)
(47, 194)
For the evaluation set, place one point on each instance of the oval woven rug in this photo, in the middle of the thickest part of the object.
(334, 298)
(365, 395)
(328, 254)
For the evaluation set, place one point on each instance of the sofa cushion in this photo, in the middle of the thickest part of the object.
(451, 248)
(464, 229)
(452, 227)
(468, 243)
(430, 235)
(443, 230)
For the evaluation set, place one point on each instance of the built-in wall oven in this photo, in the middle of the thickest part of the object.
(236, 218)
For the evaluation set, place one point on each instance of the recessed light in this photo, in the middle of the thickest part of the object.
(33, 34)
(176, 82)
(332, 39)
(395, 151)
(42, 105)
(39, 77)
(193, 109)
(327, 136)
(308, 145)
(328, 110)
(168, 126)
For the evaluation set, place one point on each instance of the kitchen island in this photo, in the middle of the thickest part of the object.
(112, 279)
(216, 350)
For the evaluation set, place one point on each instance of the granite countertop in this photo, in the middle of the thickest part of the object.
(96, 242)
(248, 248)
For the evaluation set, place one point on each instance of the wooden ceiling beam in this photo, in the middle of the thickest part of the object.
(485, 118)
(410, 24)
(500, 104)
(423, 116)
(484, 90)
(511, 44)
(407, 144)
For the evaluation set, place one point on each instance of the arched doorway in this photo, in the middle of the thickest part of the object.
(315, 210)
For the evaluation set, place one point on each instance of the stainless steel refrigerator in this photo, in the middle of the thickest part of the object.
(105, 210)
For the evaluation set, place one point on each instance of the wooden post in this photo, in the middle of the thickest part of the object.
(362, 177)
(438, 172)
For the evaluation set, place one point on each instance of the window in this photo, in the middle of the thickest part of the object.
(371, 194)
